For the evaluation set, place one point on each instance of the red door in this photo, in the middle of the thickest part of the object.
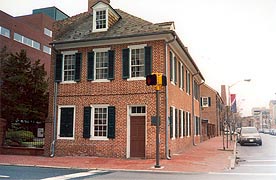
(137, 136)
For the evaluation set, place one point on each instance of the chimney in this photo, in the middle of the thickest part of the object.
(93, 2)
(223, 94)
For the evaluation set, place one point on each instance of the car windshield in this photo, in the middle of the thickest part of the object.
(249, 130)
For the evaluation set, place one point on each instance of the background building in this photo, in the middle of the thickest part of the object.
(30, 32)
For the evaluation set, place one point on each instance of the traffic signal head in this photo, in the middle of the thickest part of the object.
(151, 79)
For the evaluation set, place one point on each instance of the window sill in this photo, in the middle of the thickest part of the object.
(68, 82)
(100, 80)
(137, 79)
(99, 139)
(66, 138)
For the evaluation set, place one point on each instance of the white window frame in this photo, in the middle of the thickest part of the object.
(205, 101)
(27, 41)
(132, 47)
(95, 61)
(94, 19)
(48, 32)
(174, 61)
(59, 118)
(64, 53)
(4, 34)
(188, 124)
(46, 48)
(181, 76)
(173, 120)
(93, 122)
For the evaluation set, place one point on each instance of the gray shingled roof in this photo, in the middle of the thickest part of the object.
(79, 28)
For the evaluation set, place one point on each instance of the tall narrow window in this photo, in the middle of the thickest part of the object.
(101, 65)
(101, 19)
(69, 67)
(137, 62)
(66, 120)
(100, 122)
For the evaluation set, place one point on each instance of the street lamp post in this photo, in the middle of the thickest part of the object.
(229, 124)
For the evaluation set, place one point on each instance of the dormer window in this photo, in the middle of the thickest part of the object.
(104, 16)
(101, 19)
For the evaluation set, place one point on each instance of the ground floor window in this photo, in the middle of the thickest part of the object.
(66, 121)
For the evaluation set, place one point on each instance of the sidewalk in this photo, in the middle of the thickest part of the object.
(205, 157)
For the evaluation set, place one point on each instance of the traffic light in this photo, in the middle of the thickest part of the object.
(156, 79)
(151, 79)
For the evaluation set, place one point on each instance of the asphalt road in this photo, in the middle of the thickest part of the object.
(256, 163)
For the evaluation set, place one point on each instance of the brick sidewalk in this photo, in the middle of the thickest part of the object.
(205, 157)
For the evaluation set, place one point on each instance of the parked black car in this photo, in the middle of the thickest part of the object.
(250, 135)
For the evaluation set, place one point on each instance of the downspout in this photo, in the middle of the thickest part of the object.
(166, 99)
(193, 108)
(54, 115)
(200, 111)
(55, 121)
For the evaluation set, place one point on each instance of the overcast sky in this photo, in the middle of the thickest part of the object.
(230, 40)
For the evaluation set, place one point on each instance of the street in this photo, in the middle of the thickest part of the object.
(255, 162)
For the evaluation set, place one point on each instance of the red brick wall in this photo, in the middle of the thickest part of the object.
(31, 26)
(2, 132)
(210, 113)
(119, 93)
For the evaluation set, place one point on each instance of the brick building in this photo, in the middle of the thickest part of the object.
(30, 32)
(212, 112)
(99, 102)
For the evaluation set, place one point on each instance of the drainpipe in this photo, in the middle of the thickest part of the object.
(166, 99)
(54, 116)
(200, 112)
(193, 108)
(55, 121)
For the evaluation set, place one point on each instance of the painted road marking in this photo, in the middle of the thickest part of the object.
(3, 176)
(244, 174)
(75, 175)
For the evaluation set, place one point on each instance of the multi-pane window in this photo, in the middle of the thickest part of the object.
(5, 32)
(69, 67)
(101, 19)
(137, 62)
(47, 32)
(101, 65)
(26, 41)
(205, 101)
(138, 110)
(100, 123)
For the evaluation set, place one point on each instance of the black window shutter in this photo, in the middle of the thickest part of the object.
(86, 122)
(176, 123)
(90, 66)
(209, 101)
(148, 60)
(78, 67)
(171, 66)
(111, 63)
(111, 122)
(179, 123)
(201, 100)
(171, 122)
(125, 63)
(66, 122)
(184, 122)
(58, 68)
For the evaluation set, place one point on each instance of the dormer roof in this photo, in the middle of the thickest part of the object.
(80, 27)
